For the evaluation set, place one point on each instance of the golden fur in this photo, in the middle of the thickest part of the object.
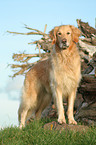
(57, 76)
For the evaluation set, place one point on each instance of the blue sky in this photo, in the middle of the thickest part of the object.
(15, 13)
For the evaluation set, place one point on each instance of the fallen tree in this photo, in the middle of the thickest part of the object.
(45, 43)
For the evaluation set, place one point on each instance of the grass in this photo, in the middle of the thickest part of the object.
(34, 134)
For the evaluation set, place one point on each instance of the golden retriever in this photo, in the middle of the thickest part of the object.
(57, 77)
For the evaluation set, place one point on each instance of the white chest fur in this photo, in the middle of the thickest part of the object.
(65, 74)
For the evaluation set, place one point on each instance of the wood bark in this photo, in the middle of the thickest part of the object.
(87, 31)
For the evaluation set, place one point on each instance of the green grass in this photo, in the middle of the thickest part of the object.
(34, 134)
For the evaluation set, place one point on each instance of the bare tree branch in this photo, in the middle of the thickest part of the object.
(45, 44)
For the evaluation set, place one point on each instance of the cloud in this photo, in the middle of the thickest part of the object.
(3, 95)
(3, 66)
(13, 87)
(9, 88)
(14, 84)
(1, 90)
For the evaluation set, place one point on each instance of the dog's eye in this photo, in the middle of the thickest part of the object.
(68, 33)
(59, 33)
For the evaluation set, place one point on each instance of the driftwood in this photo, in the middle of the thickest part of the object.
(88, 88)
(88, 32)
(87, 113)
(75, 128)
(86, 50)
(87, 110)
(45, 44)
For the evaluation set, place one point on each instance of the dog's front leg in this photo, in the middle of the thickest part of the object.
(60, 108)
(71, 100)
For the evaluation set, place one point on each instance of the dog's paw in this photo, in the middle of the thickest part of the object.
(72, 121)
(61, 120)
(21, 126)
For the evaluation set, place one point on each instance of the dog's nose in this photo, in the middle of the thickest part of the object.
(64, 40)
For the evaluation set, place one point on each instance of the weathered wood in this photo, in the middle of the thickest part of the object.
(55, 126)
(45, 44)
(87, 113)
(87, 49)
(86, 30)
(89, 79)
(87, 110)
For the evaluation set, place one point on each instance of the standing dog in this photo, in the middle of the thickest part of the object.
(57, 76)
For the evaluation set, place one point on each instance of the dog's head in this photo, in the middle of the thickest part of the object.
(64, 35)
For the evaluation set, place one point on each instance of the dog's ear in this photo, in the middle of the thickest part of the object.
(52, 35)
(76, 33)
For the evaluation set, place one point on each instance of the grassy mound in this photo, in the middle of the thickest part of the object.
(35, 134)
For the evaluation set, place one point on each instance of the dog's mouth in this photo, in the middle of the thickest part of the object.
(63, 46)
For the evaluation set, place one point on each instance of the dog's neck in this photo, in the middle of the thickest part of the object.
(72, 45)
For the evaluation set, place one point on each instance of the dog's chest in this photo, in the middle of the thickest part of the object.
(65, 74)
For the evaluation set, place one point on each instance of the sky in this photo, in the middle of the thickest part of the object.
(35, 13)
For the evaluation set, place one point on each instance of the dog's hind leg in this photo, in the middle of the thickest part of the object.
(19, 113)
(44, 103)
(23, 118)
(22, 113)
(30, 114)
(26, 109)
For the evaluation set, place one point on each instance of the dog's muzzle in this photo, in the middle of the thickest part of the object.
(63, 44)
